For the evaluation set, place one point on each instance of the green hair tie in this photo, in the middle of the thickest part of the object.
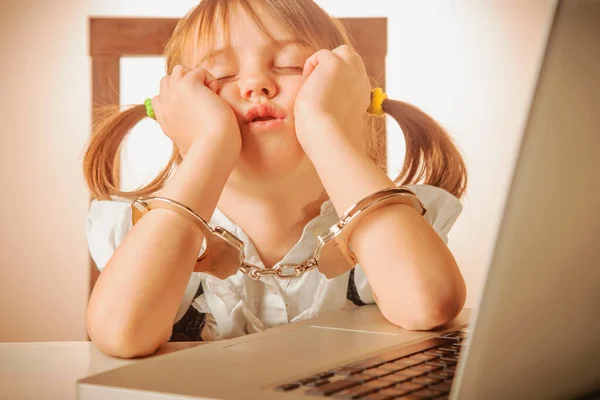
(149, 109)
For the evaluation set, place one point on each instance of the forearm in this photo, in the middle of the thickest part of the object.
(133, 305)
(410, 269)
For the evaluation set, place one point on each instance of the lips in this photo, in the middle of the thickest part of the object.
(263, 113)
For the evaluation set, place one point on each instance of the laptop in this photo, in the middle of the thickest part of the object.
(535, 333)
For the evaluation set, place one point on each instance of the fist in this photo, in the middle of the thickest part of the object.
(188, 109)
(336, 91)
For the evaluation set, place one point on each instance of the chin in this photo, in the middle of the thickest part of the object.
(271, 155)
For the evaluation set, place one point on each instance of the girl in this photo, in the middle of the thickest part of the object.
(266, 103)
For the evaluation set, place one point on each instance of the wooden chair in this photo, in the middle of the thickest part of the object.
(113, 38)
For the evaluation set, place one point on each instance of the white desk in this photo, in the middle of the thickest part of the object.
(49, 370)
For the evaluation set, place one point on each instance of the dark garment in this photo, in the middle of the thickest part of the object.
(352, 292)
(189, 327)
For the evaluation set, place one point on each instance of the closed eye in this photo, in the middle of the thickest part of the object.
(225, 78)
(291, 70)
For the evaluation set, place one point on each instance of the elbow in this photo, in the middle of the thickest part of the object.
(433, 317)
(120, 340)
(120, 348)
(427, 313)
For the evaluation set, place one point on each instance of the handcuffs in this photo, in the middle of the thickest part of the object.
(224, 252)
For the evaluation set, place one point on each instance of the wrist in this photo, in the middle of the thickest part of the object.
(326, 133)
(199, 180)
(225, 144)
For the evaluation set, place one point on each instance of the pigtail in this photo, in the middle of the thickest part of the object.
(100, 164)
(431, 156)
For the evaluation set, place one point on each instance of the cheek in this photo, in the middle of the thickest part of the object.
(291, 86)
(229, 93)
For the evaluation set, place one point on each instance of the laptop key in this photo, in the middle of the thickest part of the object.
(346, 371)
(320, 382)
(442, 374)
(357, 392)
(365, 364)
(412, 349)
(386, 393)
(427, 393)
(332, 387)
(453, 357)
(362, 377)
(449, 349)
(422, 357)
(323, 375)
(376, 372)
(444, 386)
(440, 353)
(427, 367)
(306, 381)
(409, 373)
(380, 395)
(395, 378)
(448, 363)
(426, 380)
(391, 367)
(440, 363)
(287, 387)
(407, 362)
(409, 386)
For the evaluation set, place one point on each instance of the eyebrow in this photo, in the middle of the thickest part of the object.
(228, 50)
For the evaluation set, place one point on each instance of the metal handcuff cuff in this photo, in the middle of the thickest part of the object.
(224, 252)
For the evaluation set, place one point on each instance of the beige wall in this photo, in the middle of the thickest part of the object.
(44, 123)
(470, 64)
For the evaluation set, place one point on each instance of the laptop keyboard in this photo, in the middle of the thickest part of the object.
(423, 370)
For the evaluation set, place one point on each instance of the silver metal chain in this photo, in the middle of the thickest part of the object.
(229, 251)
(280, 271)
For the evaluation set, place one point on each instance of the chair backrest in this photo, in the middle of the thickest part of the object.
(113, 38)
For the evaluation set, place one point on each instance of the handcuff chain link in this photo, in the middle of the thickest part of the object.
(280, 271)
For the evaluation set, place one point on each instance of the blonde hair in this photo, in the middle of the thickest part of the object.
(431, 156)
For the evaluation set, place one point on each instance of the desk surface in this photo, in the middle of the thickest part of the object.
(49, 370)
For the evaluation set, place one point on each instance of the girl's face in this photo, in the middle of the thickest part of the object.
(259, 78)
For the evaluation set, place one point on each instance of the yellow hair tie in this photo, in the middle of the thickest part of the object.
(377, 98)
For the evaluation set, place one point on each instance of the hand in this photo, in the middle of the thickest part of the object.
(188, 108)
(336, 91)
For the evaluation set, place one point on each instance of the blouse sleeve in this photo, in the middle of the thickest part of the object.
(443, 210)
(107, 224)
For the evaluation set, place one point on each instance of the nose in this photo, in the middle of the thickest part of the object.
(258, 85)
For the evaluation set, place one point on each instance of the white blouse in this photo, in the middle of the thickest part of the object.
(239, 305)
